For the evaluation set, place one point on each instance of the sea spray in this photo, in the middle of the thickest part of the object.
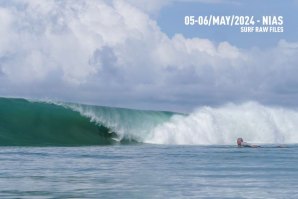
(207, 126)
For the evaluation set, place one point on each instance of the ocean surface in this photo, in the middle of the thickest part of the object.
(148, 171)
(65, 150)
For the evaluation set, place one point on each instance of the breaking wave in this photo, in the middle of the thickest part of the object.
(206, 126)
(36, 123)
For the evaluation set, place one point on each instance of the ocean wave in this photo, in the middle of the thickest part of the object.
(38, 123)
(48, 123)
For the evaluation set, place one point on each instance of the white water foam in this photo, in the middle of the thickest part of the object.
(253, 122)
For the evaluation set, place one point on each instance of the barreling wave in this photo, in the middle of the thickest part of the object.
(35, 123)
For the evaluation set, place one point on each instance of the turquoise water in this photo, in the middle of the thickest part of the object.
(149, 171)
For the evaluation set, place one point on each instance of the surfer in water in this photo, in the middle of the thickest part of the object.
(241, 143)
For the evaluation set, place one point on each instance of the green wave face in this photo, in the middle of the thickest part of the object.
(26, 123)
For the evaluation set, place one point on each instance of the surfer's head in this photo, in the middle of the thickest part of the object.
(239, 141)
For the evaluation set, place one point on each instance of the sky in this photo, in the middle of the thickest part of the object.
(140, 54)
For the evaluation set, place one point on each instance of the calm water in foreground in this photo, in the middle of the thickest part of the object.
(149, 171)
